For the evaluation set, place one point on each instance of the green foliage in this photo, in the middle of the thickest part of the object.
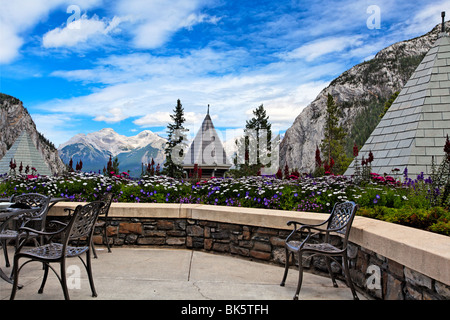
(364, 124)
(435, 219)
(332, 146)
(257, 129)
(176, 143)
(388, 103)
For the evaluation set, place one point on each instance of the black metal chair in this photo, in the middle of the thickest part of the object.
(62, 244)
(339, 222)
(104, 222)
(37, 218)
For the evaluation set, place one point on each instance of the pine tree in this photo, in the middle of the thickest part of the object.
(176, 144)
(333, 143)
(257, 130)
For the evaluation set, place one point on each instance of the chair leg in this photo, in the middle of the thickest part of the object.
(300, 276)
(347, 276)
(44, 279)
(93, 249)
(327, 261)
(286, 268)
(64, 280)
(5, 252)
(89, 271)
(15, 284)
(105, 235)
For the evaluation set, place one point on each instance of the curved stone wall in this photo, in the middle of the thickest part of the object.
(388, 261)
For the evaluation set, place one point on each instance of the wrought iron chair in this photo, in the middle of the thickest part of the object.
(62, 244)
(107, 199)
(28, 200)
(339, 222)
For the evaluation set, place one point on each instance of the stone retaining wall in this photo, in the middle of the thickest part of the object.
(259, 235)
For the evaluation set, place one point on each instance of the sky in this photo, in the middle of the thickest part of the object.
(83, 65)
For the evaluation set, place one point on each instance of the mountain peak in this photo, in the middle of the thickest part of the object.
(95, 148)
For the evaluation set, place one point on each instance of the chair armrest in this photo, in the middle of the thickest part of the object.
(28, 230)
(295, 223)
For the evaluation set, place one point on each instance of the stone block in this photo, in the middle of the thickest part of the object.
(165, 224)
(262, 246)
(393, 289)
(130, 228)
(175, 241)
(151, 241)
(221, 247)
(260, 255)
(417, 278)
(195, 231)
(239, 250)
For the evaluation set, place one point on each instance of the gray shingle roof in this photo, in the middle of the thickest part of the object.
(23, 150)
(206, 149)
(415, 126)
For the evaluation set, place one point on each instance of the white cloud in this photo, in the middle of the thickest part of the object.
(8, 36)
(315, 49)
(156, 21)
(427, 18)
(19, 16)
(58, 128)
(80, 31)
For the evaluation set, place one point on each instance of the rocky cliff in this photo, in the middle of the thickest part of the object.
(361, 93)
(14, 118)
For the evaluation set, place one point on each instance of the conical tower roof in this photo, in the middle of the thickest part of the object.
(206, 150)
(415, 126)
(24, 151)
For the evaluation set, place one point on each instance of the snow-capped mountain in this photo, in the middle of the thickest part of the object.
(94, 149)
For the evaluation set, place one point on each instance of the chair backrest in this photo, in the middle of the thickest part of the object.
(33, 200)
(82, 223)
(341, 217)
(107, 199)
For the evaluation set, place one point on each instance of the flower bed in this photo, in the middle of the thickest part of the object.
(407, 202)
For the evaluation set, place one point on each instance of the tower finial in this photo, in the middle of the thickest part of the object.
(443, 21)
(208, 110)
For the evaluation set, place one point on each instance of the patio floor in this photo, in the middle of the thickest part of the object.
(172, 274)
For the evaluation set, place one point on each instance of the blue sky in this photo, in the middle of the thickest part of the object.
(80, 66)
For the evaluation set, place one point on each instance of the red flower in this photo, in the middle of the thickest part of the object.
(355, 150)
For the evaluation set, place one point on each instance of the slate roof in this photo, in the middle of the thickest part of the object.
(23, 150)
(415, 126)
(206, 149)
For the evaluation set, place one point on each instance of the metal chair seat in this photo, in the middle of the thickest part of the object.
(53, 251)
(324, 248)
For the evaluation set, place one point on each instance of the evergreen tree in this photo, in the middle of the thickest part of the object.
(332, 146)
(256, 142)
(176, 144)
(388, 103)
